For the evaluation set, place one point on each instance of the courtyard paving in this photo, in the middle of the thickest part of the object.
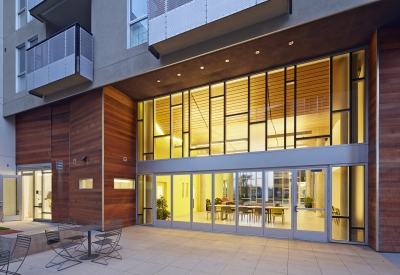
(148, 250)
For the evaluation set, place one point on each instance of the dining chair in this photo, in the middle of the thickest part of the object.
(227, 211)
(62, 250)
(114, 223)
(276, 212)
(244, 212)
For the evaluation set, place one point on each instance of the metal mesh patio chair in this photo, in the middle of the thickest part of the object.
(62, 249)
(107, 245)
(19, 252)
(76, 236)
(114, 223)
(4, 260)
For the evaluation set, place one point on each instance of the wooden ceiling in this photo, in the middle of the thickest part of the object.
(335, 33)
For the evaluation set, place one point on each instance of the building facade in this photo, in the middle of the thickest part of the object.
(273, 118)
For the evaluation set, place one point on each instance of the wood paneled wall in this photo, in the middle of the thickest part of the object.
(119, 142)
(33, 136)
(60, 151)
(389, 138)
(86, 140)
(372, 87)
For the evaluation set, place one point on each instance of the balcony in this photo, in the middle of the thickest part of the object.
(61, 61)
(61, 13)
(177, 24)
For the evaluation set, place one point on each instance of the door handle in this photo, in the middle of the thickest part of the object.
(295, 209)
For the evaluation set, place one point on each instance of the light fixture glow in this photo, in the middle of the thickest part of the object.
(291, 43)
(178, 74)
(257, 52)
(202, 68)
(158, 80)
(227, 60)
(159, 129)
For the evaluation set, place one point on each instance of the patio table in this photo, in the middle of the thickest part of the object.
(89, 228)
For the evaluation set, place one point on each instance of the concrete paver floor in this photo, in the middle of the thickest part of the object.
(149, 250)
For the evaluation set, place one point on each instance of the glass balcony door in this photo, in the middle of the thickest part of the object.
(310, 202)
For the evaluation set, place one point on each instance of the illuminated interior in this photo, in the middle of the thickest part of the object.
(316, 103)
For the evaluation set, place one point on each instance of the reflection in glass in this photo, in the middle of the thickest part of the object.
(199, 118)
(224, 193)
(163, 197)
(138, 32)
(181, 198)
(278, 195)
(250, 199)
(311, 194)
(257, 137)
(176, 128)
(10, 200)
(257, 98)
(236, 134)
(202, 199)
(138, 9)
(217, 126)
(162, 147)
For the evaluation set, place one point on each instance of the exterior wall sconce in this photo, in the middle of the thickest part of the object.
(84, 158)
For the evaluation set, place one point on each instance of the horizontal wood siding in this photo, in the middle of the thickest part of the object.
(119, 142)
(86, 140)
(33, 136)
(389, 139)
(60, 151)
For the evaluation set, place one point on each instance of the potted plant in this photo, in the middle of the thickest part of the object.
(162, 209)
(208, 202)
(308, 201)
(217, 201)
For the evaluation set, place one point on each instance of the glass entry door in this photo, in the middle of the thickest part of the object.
(10, 197)
(310, 205)
(145, 199)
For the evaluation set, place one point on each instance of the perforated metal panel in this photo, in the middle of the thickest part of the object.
(186, 17)
(157, 29)
(55, 58)
(86, 57)
(70, 41)
(173, 4)
(156, 8)
(217, 9)
(57, 48)
(86, 45)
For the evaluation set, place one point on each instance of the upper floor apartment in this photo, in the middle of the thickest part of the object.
(56, 49)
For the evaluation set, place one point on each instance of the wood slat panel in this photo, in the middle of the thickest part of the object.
(33, 136)
(119, 142)
(389, 135)
(86, 140)
(60, 151)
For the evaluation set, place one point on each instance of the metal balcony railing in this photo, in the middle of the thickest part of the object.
(61, 61)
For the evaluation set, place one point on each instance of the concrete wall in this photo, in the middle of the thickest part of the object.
(7, 125)
(114, 61)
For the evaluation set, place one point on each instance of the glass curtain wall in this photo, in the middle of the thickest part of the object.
(316, 103)
(348, 203)
(202, 196)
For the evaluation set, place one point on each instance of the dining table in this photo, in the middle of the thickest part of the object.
(268, 209)
(88, 229)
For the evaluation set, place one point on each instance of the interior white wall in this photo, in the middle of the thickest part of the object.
(7, 125)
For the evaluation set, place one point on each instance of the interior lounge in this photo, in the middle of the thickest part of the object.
(318, 103)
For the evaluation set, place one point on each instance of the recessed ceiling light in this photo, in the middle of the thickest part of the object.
(291, 43)
(226, 60)
(158, 80)
(202, 67)
(178, 74)
(257, 52)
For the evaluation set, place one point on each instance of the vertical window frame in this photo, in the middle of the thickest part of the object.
(20, 11)
(132, 22)
(18, 71)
